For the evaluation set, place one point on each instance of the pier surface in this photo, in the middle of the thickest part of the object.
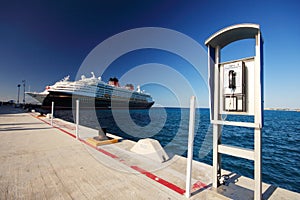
(43, 162)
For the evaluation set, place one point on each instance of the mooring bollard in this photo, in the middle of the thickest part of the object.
(190, 148)
(102, 134)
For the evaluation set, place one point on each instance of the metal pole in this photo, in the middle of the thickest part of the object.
(257, 164)
(24, 91)
(52, 111)
(77, 118)
(18, 93)
(216, 127)
(190, 148)
(258, 118)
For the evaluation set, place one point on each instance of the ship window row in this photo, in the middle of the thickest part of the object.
(119, 94)
(88, 100)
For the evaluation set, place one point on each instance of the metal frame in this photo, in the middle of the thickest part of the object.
(215, 43)
(190, 147)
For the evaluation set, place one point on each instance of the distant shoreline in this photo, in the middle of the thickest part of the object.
(283, 109)
(274, 109)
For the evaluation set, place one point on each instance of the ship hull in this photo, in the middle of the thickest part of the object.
(68, 101)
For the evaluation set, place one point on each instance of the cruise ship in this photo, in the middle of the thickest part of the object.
(92, 93)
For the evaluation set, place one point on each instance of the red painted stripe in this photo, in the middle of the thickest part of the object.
(72, 135)
(159, 180)
(199, 185)
(100, 150)
(107, 153)
(85, 142)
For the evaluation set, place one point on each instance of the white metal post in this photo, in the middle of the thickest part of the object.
(216, 127)
(258, 119)
(190, 147)
(257, 164)
(77, 118)
(52, 111)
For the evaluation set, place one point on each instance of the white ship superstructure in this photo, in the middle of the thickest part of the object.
(93, 91)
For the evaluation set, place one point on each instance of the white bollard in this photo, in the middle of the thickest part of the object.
(190, 148)
(77, 118)
(52, 111)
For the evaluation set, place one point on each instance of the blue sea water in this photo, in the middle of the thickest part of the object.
(280, 138)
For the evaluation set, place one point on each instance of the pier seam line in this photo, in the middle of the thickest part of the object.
(196, 186)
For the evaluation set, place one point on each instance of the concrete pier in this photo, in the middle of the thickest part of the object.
(43, 162)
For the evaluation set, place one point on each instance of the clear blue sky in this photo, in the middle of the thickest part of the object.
(43, 41)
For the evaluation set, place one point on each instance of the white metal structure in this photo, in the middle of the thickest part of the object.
(236, 87)
(190, 147)
(52, 112)
(77, 119)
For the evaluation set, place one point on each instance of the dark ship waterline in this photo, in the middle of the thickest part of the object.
(93, 93)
